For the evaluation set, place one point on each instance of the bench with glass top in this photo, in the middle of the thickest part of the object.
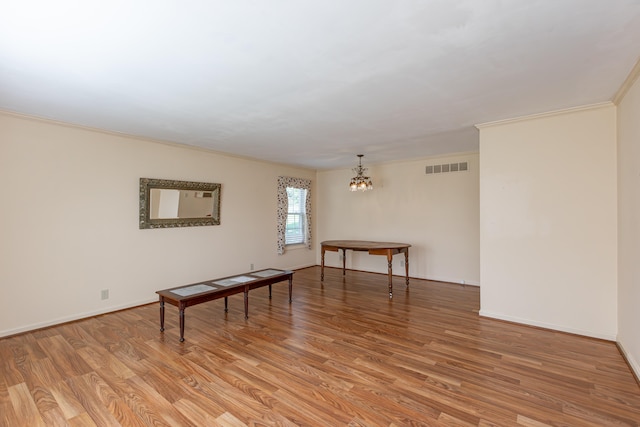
(197, 293)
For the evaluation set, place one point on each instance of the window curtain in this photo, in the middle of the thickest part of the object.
(283, 209)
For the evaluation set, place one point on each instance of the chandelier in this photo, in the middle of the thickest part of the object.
(360, 182)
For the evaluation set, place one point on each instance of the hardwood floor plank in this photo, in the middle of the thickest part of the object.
(528, 422)
(82, 420)
(54, 417)
(25, 409)
(64, 357)
(39, 384)
(9, 368)
(93, 401)
(66, 400)
(7, 414)
(77, 335)
(151, 406)
(341, 353)
(243, 406)
(196, 414)
(228, 420)
(100, 359)
(112, 402)
(308, 410)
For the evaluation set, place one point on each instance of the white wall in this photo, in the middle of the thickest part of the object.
(437, 214)
(548, 225)
(69, 222)
(629, 225)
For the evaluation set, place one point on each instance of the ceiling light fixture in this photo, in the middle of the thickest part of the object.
(360, 182)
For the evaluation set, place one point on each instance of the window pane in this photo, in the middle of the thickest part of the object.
(294, 232)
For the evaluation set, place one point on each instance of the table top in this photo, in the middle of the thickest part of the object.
(364, 245)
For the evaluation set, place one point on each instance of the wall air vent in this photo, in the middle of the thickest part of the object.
(447, 167)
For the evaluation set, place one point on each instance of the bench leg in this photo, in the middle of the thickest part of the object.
(246, 303)
(181, 323)
(290, 287)
(226, 304)
(269, 291)
(161, 314)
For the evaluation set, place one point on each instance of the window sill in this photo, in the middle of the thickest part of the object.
(295, 246)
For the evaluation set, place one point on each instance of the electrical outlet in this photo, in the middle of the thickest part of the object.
(104, 294)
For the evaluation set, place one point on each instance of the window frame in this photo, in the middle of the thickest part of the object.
(283, 212)
(300, 214)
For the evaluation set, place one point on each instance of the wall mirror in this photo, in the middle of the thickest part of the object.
(165, 203)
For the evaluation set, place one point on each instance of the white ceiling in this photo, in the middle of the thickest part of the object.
(315, 82)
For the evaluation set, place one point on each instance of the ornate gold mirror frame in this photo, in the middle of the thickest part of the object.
(205, 196)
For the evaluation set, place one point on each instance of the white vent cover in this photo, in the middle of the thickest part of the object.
(447, 167)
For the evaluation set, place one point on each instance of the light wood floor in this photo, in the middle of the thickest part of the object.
(340, 354)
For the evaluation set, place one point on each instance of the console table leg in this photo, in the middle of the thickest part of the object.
(161, 314)
(226, 304)
(406, 265)
(390, 266)
(246, 303)
(290, 287)
(322, 265)
(181, 323)
(269, 291)
(344, 261)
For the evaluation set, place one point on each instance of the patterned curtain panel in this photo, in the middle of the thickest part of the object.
(283, 209)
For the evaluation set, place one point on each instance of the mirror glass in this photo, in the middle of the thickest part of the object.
(167, 203)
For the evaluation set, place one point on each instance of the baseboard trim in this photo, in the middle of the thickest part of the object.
(80, 316)
(549, 326)
(401, 274)
(67, 319)
(300, 267)
(634, 366)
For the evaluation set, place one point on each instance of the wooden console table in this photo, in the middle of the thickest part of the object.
(196, 293)
(374, 248)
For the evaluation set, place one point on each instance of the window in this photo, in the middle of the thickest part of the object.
(294, 212)
(294, 232)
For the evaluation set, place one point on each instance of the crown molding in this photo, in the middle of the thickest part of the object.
(546, 114)
(630, 80)
(144, 139)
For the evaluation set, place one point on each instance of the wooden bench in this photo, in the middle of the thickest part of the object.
(196, 293)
